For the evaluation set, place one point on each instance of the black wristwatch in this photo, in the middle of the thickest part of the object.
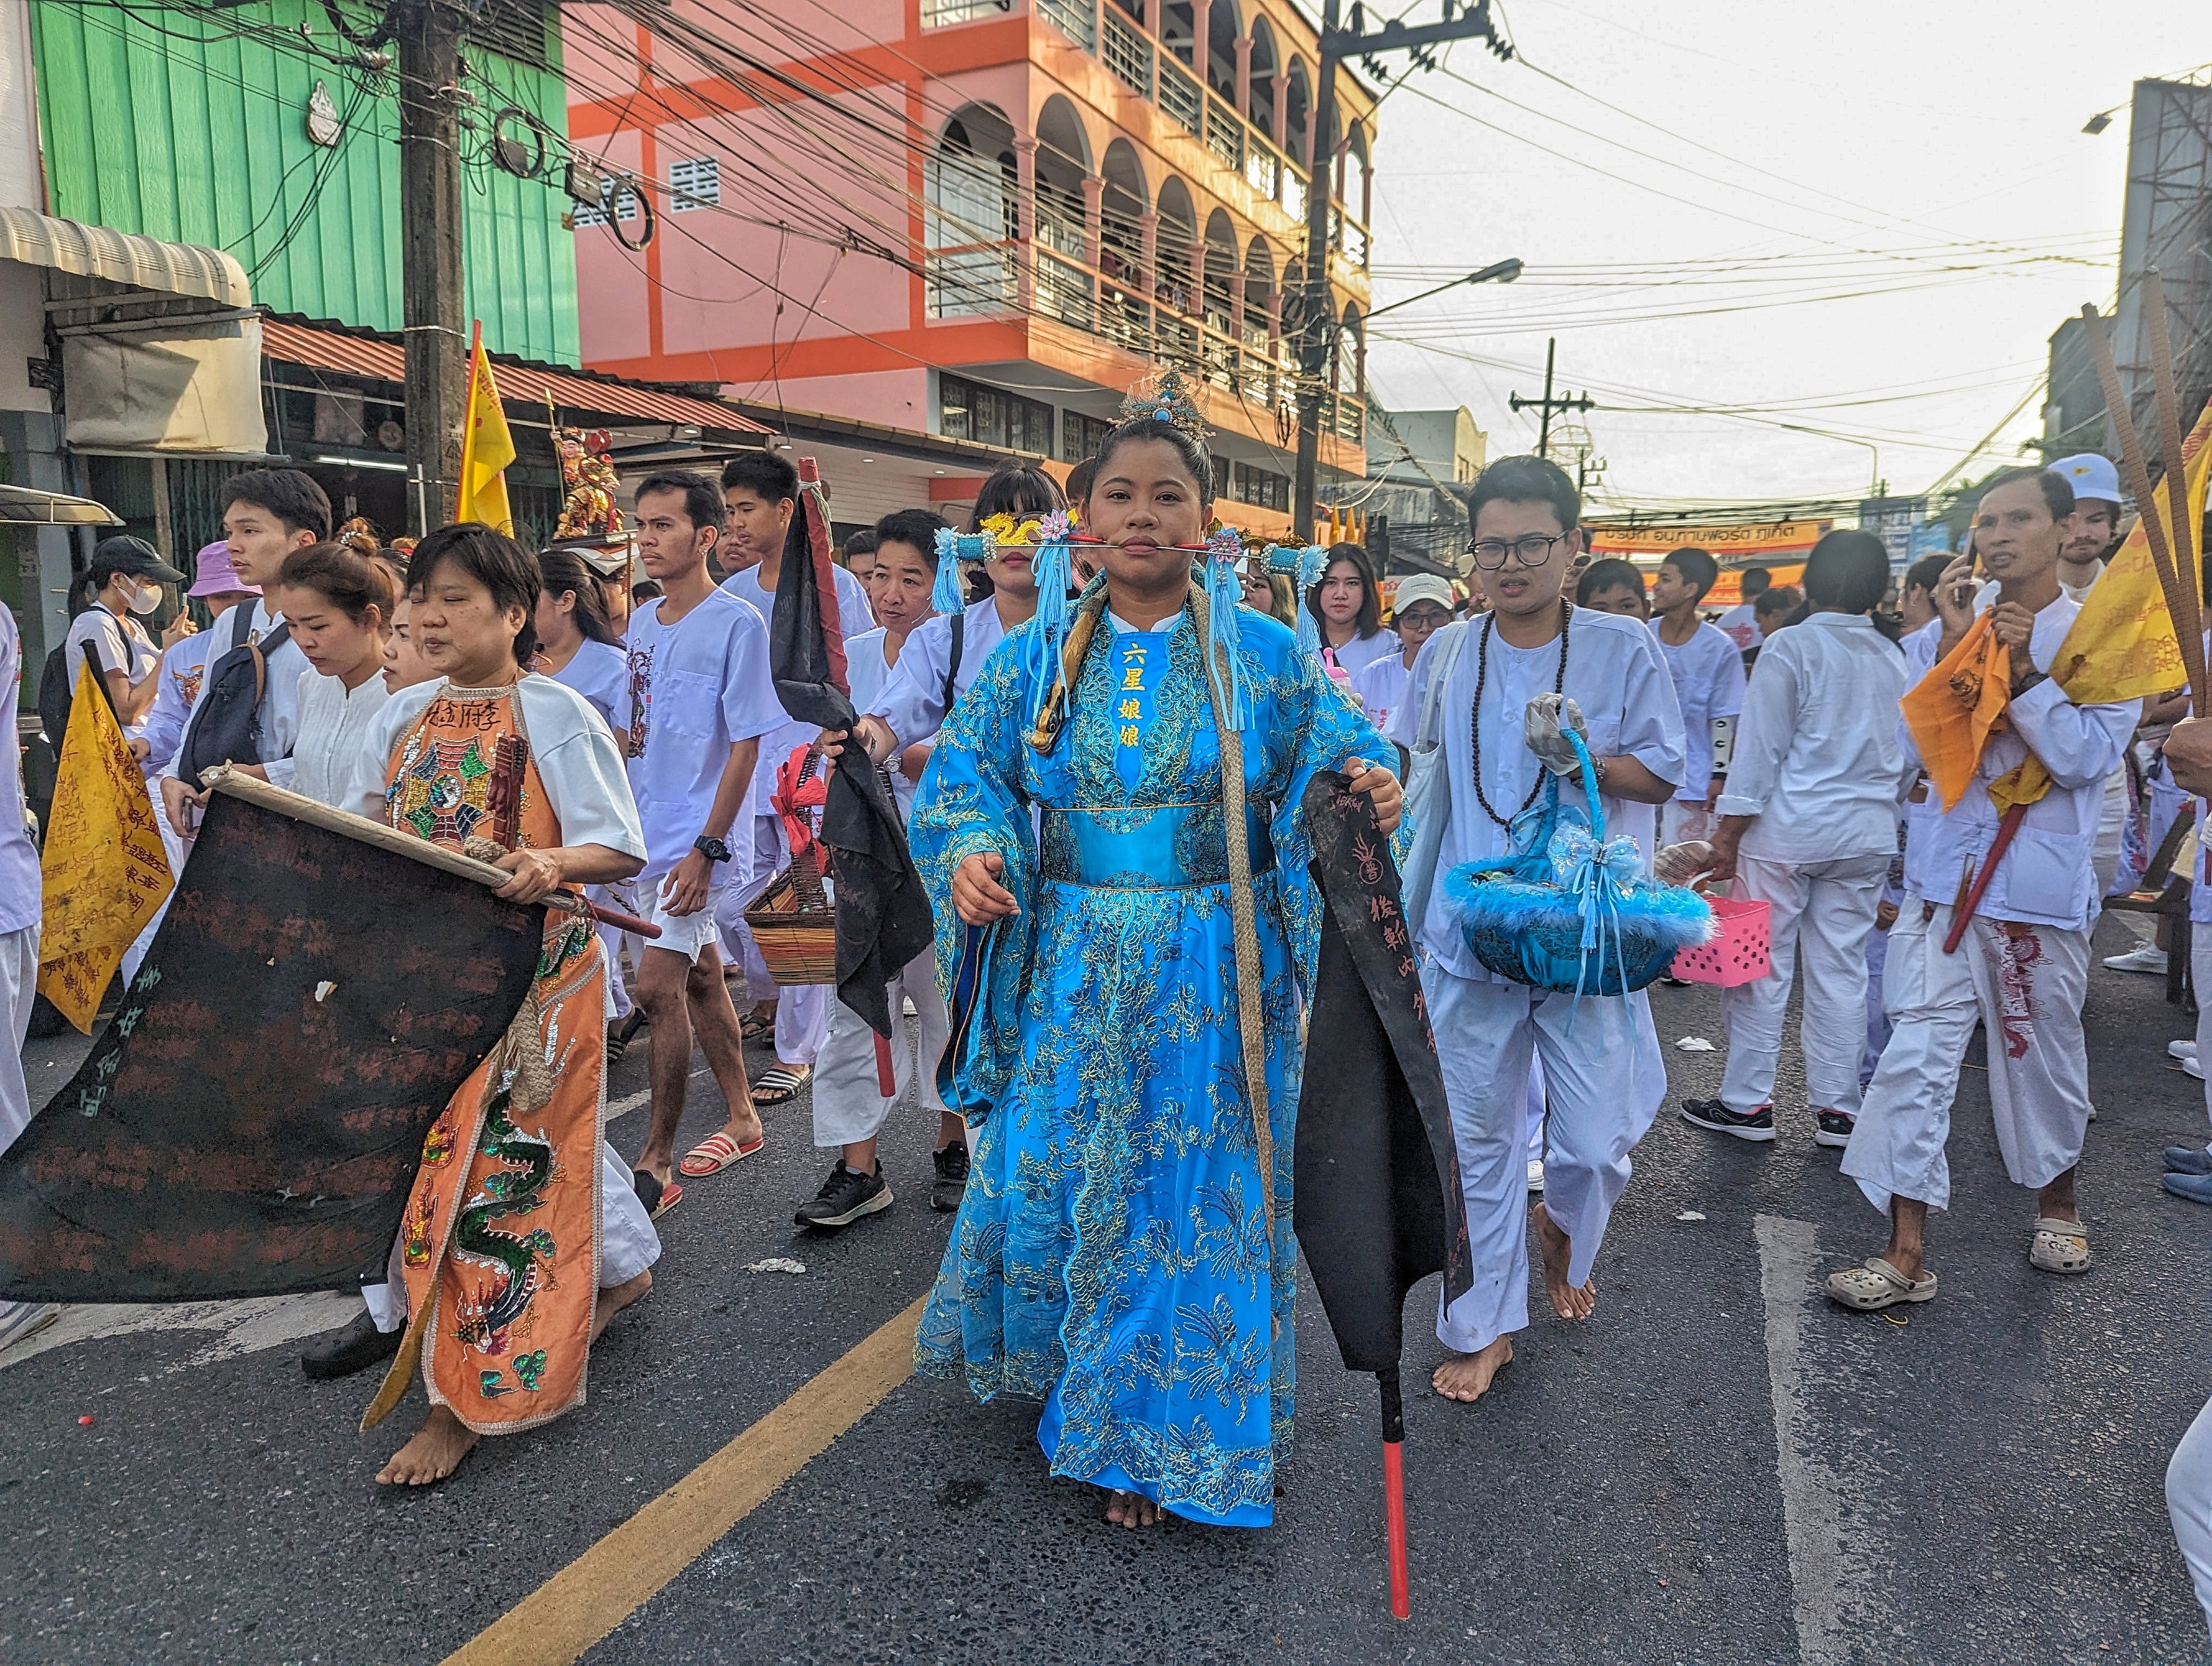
(711, 848)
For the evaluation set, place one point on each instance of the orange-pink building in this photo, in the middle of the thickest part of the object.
(982, 219)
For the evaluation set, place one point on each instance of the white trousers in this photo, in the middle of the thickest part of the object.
(628, 1244)
(1819, 916)
(19, 987)
(1877, 1017)
(135, 955)
(2026, 990)
(1604, 1081)
(2189, 1502)
(802, 1010)
(1535, 1108)
(848, 1105)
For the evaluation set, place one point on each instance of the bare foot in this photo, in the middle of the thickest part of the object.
(1466, 1377)
(1567, 1302)
(745, 1127)
(1130, 1510)
(615, 1298)
(434, 1453)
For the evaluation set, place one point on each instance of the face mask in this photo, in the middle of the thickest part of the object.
(145, 599)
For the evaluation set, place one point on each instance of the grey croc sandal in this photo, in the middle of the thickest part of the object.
(2059, 1246)
(1878, 1285)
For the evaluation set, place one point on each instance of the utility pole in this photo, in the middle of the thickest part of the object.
(429, 41)
(1547, 404)
(1317, 327)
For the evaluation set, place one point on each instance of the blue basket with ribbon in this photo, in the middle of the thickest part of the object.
(1571, 910)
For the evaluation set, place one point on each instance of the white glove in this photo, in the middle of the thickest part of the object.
(1547, 717)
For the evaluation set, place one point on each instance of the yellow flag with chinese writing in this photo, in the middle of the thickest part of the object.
(2122, 645)
(103, 872)
(486, 447)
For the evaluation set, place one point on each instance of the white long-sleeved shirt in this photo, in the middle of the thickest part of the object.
(280, 688)
(1817, 757)
(1708, 673)
(328, 755)
(2044, 878)
(1614, 672)
(912, 700)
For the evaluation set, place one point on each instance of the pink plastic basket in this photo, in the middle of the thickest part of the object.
(1737, 954)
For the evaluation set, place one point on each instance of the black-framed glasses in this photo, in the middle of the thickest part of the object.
(1531, 552)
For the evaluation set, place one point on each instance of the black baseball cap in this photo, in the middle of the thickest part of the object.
(134, 556)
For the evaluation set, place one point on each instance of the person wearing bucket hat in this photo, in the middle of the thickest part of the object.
(183, 663)
(123, 583)
(1532, 669)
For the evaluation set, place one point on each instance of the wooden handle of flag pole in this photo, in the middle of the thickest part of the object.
(1394, 1492)
(2181, 533)
(2182, 595)
(886, 1080)
(1962, 915)
(233, 783)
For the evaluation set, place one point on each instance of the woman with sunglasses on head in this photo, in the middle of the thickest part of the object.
(1121, 1253)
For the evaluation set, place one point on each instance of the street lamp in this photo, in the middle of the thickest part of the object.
(1504, 271)
(1875, 482)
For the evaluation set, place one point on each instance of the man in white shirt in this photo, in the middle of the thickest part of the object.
(1740, 624)
(760, 491)
(2096, 531)
(21, 909)
(1808, 826)
(1707, 668)
(2021, 969)
(1529, 666)
(701, 699)
(849, 1105)
(269, 513)
(1422, 606)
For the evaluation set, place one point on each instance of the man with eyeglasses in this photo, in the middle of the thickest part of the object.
(1512, 681)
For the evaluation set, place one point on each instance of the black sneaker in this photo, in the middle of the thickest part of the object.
(951, 1182)
(1744, 1125)
(845, 1196)
(352, 1347)
(1835, 1129)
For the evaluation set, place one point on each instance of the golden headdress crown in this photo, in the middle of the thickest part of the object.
(1166, 396)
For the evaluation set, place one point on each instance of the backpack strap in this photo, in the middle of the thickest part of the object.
(959, 623)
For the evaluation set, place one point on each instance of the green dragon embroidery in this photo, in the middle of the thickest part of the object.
(516, 1261)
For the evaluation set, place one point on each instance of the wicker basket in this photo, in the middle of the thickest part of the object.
(794, 925)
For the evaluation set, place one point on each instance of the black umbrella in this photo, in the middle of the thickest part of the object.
(1379, 1205)
(883, 913)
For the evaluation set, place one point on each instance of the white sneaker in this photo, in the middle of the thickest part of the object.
(2148, 958)
(2181, 1050)
(2193, 1068)
(1535, 1174)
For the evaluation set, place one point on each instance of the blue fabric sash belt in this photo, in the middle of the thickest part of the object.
(1167, 847)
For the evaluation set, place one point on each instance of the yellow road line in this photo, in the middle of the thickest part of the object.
(588, 1599)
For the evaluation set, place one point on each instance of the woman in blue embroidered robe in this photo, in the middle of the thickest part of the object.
(1112, 1256)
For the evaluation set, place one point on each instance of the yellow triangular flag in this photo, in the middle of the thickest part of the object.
(486, 447)
(103, 872)
(2122, 646)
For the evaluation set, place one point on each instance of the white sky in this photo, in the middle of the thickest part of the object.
(1950, 132)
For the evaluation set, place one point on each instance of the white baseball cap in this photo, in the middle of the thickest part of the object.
(1421, 587)
(2090, 476)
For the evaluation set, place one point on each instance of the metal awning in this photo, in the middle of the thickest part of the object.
(26, 506)
(140, 263)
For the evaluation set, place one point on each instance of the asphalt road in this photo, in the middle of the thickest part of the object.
(1719, 1468)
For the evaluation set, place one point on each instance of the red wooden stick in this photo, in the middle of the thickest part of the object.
(1963, 915)
(1394, 1522)
(886, 1082)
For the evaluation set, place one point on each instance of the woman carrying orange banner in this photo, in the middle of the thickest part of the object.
(2002, 741)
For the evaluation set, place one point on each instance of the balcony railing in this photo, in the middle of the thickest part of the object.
(938, 14)
(1224, 135)
(1294, 195)
(1181, 97)
(1263, 168)
(1076, 19)
(1128, 53)
(961, 283)
(1066, 291)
